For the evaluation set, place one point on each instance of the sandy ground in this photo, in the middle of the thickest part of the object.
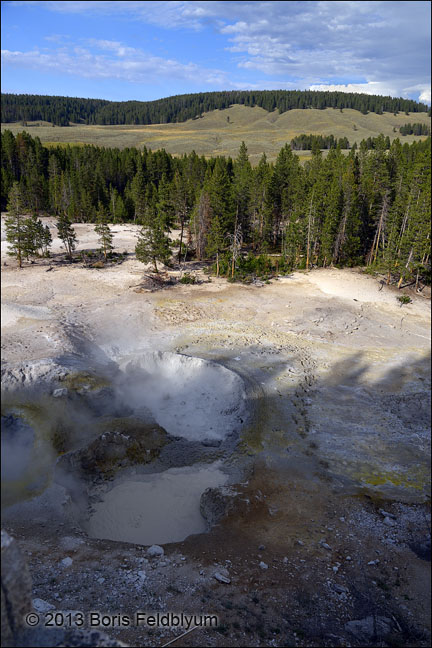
(337, 376)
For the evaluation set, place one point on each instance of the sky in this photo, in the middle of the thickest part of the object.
(149, 50)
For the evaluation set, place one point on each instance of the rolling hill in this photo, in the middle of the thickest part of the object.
(220, 132)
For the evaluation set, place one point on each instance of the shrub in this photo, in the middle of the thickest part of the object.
(404, 299)
(188, 278)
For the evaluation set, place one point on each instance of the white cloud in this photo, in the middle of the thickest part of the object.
(371, 88)
(425, 96)
(306, 43)
(167, 13)
(127, 64)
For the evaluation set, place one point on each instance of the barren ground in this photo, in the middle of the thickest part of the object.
(331, 474)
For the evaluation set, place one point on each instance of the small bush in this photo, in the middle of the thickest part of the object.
(188, 278)
(404, 299)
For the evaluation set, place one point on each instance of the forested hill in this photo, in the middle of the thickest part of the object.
(63, 110)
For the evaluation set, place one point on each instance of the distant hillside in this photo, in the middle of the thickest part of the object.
(63, 110)
(220, 132)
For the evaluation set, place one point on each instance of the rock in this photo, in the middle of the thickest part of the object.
(221, 578)
(285, 560)
(263, 565)
(60, 393)
(101, 580)
(300, 543)
(348, 558)
(388, 521)
(155, 550)
(211, 443)
(16, 603)
(261, 548)
(369, 628)
(42, 606)
(326, 546)
(215, 504)
(66, 562)
(16, 589)
(422, 548)
(340, 589)
(70, 543)
(373, 562)
(386, 514)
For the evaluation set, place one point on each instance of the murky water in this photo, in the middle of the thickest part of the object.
(158, 508)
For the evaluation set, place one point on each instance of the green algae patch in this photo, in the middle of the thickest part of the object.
(84, 380)
(417, 478)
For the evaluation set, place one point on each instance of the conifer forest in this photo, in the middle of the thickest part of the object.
(370, 207)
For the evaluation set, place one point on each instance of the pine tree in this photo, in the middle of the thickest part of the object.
(241, 189)
(183, 198)
(259, 187)
(153, 244)
(66, 233)
(39, 235)
(16, 228)
(103, 230)
(216, 241)
(138, 193)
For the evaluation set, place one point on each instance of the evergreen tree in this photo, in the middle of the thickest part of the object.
(103, 230)
(39, 235)
(241, 190)
(216, 241)
(259, 187)
(153, 244)
(16, 227)
(66, 233)
(138, 193)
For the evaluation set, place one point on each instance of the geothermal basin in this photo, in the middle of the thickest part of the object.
(158, 428)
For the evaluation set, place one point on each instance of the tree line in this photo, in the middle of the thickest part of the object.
(415, 129)
(63, 110)
(370, 207)
(308, 142)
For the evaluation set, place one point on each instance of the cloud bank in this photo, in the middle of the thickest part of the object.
(373, 47)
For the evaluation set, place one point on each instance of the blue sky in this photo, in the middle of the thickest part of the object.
(148, 50)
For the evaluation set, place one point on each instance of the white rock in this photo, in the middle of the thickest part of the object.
(66, 562)
(263, 565)
(42, 606)
(386, 514)
(340, 589)
(155, 550)
(59, 393)
(373, 562)
(221, 578)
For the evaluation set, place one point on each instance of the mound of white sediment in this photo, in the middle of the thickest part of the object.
(347, 284)
(11, 313)
(159, 508)
(187, 396)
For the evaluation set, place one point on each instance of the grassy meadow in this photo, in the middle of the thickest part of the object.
(221, 132)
